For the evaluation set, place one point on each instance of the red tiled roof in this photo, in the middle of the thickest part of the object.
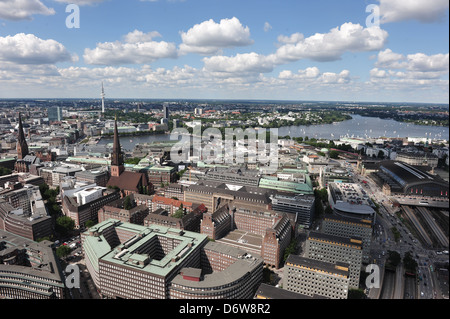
(128, 181)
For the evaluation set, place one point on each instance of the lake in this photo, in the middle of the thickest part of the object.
(358, 126)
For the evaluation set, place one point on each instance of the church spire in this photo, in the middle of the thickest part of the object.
(117, 166)
(22, 146)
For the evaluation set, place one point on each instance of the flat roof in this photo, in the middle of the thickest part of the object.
(126, 254)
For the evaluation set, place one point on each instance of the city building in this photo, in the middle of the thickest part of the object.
(189, 221)
(417, 159)
(23, 212)
(127, 182)
(134, 214)
(95, 176)
(332, 249)
(349, 228)
(136, 262)
(313, 277)
(350, 200)
(225, 273)
(404, 179)
(160, 175)
(55, 114)
(299, 208)
(83, 205)
(170, 204)
(330, 174)
(29, 270)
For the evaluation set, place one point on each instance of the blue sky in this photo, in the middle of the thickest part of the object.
(252, 49)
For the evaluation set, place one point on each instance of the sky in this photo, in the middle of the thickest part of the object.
(322, 50)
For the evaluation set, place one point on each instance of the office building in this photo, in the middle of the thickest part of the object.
(299, 208)
(134, 214)
(334, 249)
(351, 200)
(136, 262)
(313, 277)
(84, 205)
(55, 114)
(349, 228)
(29, 270)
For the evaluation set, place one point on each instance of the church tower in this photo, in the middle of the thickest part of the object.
(117, 166)
(22, 146)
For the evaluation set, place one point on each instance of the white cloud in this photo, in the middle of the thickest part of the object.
(210, 37)
(331, 46)
(138, 48)
(267, 27)
(292, 39)
(23, 9)
(240, 63)
(410, 74)
(29, 49)
(425, 11)
(418, 62)
(139, 36)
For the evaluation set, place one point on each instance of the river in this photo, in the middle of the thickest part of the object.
(358, 126)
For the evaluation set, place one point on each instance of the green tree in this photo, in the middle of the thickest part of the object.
(63, 251)
(64, 225)
(334, 154)
(409, 262)
(127, 204)
(394, 258)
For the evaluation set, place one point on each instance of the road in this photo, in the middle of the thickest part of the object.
(395, 285)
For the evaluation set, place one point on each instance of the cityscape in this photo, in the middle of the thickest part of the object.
(334, 194)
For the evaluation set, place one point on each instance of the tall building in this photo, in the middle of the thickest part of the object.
(54, 114)
(22, 146)
(127, 182)
(117, 163)
(103, 99)
(166, 111)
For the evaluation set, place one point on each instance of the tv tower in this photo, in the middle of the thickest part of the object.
(103, 99)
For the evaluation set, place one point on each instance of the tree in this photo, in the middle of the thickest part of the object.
(64, 225)
(394, 258)
(63, 251)
(180, 212)
(409, 262)
(334, 154)
(127, 204)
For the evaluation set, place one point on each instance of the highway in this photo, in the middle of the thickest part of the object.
(443, 240)
(395, 284)
(410, 214)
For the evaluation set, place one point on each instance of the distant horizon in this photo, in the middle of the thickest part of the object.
(220, 100)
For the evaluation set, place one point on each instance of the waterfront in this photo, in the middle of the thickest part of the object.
(358, 126)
